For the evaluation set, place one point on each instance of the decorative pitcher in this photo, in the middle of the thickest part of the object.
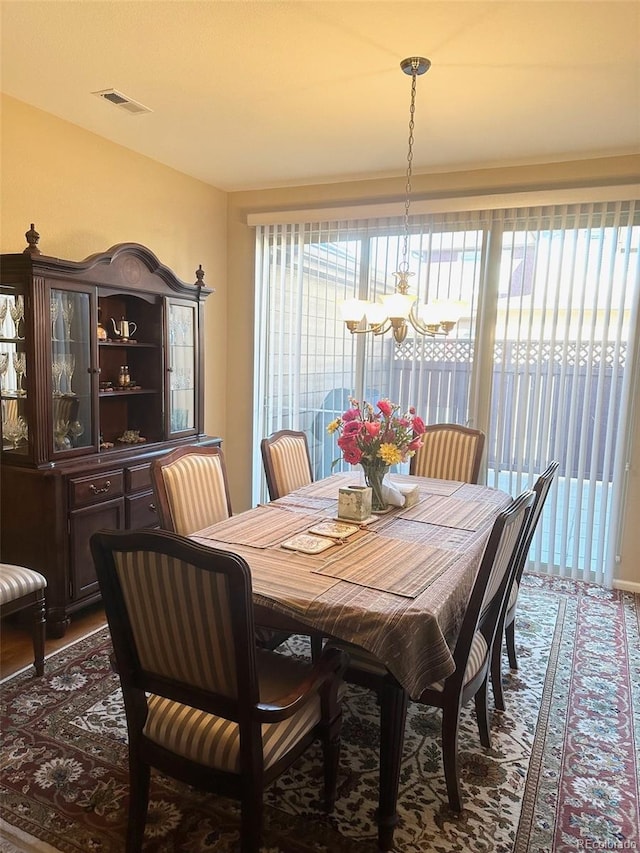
(124, 329)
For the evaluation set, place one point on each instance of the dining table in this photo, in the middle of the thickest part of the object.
(396, 584)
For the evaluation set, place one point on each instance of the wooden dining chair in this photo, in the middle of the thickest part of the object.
(506, 624)
(471, 653)
(287, 467)
(203, 704)
(190, 488)
(191, 493)
(449, 452)
(21, 589)
(287, 463)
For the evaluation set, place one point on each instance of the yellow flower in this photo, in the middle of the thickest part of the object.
(390, 454)
(333, 426)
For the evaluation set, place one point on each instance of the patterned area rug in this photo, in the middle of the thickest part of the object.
(561, 775)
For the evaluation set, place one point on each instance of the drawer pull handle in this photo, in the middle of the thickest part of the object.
(101, 491)
(152, 507)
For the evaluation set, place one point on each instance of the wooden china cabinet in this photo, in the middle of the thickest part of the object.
(101, 371)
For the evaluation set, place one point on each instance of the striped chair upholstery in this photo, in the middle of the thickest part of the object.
(449, 452)
(287, 464)
(471, 652)
(191, 489)
(20, 588)
(215, 741)
(204, 705)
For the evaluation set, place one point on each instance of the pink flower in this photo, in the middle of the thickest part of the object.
(418, 425)
(352, 454)
(352, 428)
(372, 428)
(346, 441)
(385, 407)
(351, 415)
(416, 444)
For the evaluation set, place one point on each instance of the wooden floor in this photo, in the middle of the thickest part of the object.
(16, 646)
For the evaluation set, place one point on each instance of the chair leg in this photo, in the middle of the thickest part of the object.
(393, 717)
(331, 761)
(481, 700)
(510, 636)
(316, 647)
(251, 817)
(139, 778)
(496, 673)
(450, 717)
(39, 623)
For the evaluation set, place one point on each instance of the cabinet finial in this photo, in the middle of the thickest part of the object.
(199, 282)
(32, 239)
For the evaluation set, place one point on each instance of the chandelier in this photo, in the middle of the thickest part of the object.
(395, 309)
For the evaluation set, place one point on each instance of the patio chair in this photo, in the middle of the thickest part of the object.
(506, 624)
(203, 704)
(449, 452)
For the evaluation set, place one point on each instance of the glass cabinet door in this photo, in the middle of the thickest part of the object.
(182, 366)
(71, 388)
(13, 372)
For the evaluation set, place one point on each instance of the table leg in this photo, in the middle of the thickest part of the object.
(393, 717)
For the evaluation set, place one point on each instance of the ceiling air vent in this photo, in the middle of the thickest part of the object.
(122, 101)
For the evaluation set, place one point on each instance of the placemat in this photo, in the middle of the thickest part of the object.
(327, 487)
(261, 527)
(431, 486)
(303, 503)
(286, 577)
(389, 565)
(468, 491)
(451, 512)
(450, 538)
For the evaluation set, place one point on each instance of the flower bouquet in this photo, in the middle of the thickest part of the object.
(376, 438)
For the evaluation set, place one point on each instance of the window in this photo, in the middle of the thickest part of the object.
(542, 359)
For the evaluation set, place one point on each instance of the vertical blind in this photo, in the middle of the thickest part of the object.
(542, 360)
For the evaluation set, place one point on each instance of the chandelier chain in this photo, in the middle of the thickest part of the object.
(404, 265)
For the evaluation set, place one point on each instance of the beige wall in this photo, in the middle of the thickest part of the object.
(238, 445)
(85, 194)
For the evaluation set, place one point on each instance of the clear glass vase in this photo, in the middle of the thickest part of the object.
(374, 476)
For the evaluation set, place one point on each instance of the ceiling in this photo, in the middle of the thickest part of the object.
(249, 95)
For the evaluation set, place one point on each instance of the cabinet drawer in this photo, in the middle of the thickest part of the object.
(137, 478)
(140, 511)
(99, 487)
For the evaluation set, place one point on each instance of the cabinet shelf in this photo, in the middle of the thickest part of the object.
(134, 392)
(125, 344)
